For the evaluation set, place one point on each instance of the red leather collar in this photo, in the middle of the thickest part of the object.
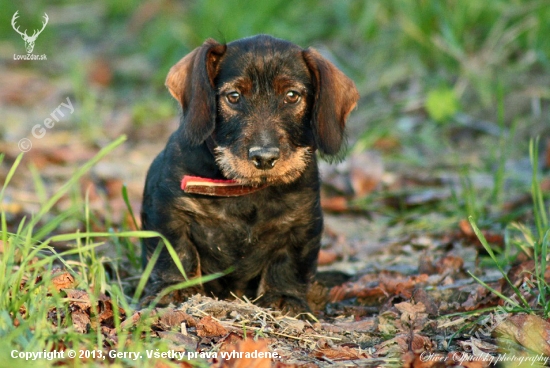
(216, 187)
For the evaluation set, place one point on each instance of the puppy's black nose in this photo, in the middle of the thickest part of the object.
(264, 158)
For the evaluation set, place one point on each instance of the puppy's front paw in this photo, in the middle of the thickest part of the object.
(288, 304)
(175, 297)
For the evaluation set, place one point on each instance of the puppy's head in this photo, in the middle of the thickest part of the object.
(266, 103)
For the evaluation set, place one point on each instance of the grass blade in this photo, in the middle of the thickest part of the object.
(489, 250)
(10, 174)
(74, 179)
(128, 206)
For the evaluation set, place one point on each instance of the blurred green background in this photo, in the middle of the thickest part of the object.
(459, 55)
(454, 55)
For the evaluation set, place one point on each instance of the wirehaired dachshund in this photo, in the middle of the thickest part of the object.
(236, 189)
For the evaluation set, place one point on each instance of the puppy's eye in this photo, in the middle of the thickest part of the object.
(233, 97)
(292, 97)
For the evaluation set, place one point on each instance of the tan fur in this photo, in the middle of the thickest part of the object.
(285, 171)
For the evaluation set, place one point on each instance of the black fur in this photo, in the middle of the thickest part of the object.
(270, 238)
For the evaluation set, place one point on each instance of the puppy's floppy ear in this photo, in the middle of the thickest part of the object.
(335, 97)
(191, 83)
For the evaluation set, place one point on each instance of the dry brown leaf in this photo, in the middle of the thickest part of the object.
(412, 360)
(106, 314)
(131, 321)
(389, 284)
(450, 264)
(249, 354)
(326, 257)
(163, 318)
(468, 232)
(62, 279)
(478, 347)
(523, 272)
(327, 350)
(78, 298)
(421, 344)
(352, 290)
(81, 320)
(181, 364)
(335, 204)
(229, 342)
(170, 318)
(402, 343)
(480, 297)
(399, 285)
(421, 296)
(412, 313)
(209, 327)
(466, 228)
(527, 330)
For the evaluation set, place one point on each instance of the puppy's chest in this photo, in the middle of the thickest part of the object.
(235, 227)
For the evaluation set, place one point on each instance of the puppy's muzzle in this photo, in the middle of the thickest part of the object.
(264, 158)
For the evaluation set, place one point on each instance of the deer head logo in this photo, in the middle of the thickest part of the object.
(29, 40)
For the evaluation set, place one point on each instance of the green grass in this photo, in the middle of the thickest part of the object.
(534, 243)
(34, 316)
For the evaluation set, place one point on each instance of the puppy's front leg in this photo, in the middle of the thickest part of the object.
(286, 279)
(165, 272)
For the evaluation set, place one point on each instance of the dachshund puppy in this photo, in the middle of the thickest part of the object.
(237, 187)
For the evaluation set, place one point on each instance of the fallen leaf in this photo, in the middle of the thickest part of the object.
(491, 237)
(174, 318)
(62, 279)
(421, 296)
(478, 347)
(81, 320)
(334, 204)
(326, 257)
(325, 349)
(247, 354)
(355, 290)
(449, 265)
(466, 228)
(528, 330)
(412, 314)
(402, 343)
(480, 297)
(78, 298)
(412, 360)
(399, 285)
(292, 324)
(209, 327)
(366, 290)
